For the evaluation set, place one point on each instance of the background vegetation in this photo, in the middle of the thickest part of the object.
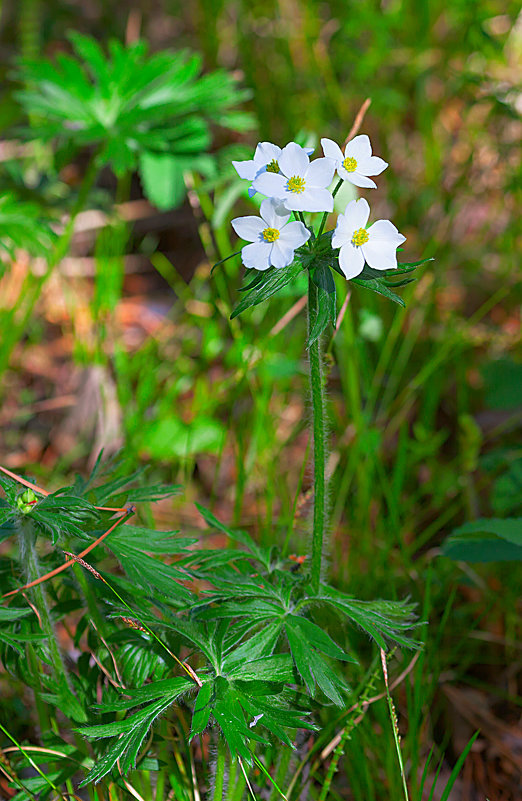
(128, 341)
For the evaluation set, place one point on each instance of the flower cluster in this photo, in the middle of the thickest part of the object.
(294, 184)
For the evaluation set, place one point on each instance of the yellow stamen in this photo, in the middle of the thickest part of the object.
(360, 236)
(273, 166)
(296, 184)
(350, 164)
(270, 234)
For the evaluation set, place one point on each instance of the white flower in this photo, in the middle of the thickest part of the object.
(301, 186)
(376, 245)
(273, 238)
(266, 159)
(357, 162)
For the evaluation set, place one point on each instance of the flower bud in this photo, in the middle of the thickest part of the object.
(26, 500)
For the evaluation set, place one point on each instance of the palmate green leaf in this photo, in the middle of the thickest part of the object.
(129, 544)
(162, 175)
(202, 710)
(61, 515)
(229, 716)
(6, 513)
(264, 555)
(14, 639)
(153, 492)
(12, 613)
(270, 282)
(151, 541)
(209, 559)
(382, 620)
(406, 266)
(62, 698)
(278, 668)
(379, 285)
(317, 637)
(261, 643)
(251, 686)
(172, 688)
(247, 581)
(127, 102)
(256, 610)
(162, 178)
(11, 488)
(312, 667)
(139, 658)
(125, 748)
(272, 715)
(194, 632)
(380, 280)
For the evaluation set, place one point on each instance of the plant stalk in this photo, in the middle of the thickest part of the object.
(219, 778)
(29, 558)
(319, 438)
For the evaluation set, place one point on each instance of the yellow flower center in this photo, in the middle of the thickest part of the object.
(270, 234)
(273, 166)
(296, 184)
(360, 236)
(350, 164)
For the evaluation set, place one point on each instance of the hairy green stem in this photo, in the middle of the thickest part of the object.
(219, 778)
(325, 215)
(319, 437)
(42, 713)
(29, 559)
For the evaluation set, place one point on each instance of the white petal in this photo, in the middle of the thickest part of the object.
(270, 184)
(371, 166)
(257, 255)
(294, 234)
(320, 173)
(384, 230)
(351, 260)
(274, 213)
(380, 254)
(359, 147)
(246, 169)
(281, 254)
(310, 200)
(356, 214)
(293, 160)
(343, 232)
(265, 153)
(332, 150)
(360, 180)
(248, 228)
